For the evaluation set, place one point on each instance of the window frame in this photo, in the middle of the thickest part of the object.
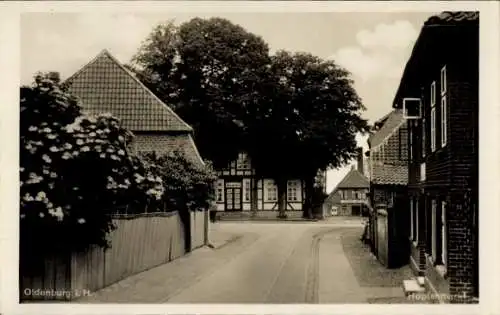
(246, 190)
(433, 129)
(433, 93)
(410, 142)
(242, 162)
(424, 147)
(434, 230)
(444, 83)
(292, 186)
(272, 192)
(444, 239)
(444, 107)
(416, 221)
(412, 220)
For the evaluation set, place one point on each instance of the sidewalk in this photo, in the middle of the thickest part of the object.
(158, 284)
(380, 285)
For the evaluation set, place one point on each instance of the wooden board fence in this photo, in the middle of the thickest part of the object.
(138, 244)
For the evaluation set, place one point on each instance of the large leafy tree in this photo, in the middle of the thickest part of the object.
(208, 70)
(306, 122)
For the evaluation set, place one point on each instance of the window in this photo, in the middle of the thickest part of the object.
(382, 152)
(434, 236)
(220, 191)
(412, 220)
(433, 116)
(444, 89)
(246, 190)
(292, 189)
(433, 93)
(410, 136)
(433, 129)
(443, 121)
(243, 162)
(422, 172)
(272, 192)
(423, 137)
(416, 220)
(443, 234)
(443, 81)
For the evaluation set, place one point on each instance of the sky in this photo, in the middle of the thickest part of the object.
(374, 47)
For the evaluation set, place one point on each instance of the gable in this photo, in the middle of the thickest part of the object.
(105, 86)
(353, 179)
(392, 122)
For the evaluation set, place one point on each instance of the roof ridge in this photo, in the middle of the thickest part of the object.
(391, 132)
(86, 65)
(129, 73)
(348, 175)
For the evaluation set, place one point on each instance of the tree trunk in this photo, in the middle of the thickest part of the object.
(254, 196)
(282, 198)
(308, 198)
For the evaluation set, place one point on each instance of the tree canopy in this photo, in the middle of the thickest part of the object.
(207, 70)
(308, 122)
(294, 113)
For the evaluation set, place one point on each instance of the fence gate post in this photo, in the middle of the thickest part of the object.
(206, 225)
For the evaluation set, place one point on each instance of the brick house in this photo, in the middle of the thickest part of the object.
(388, 174)
(350, 196)
(438, 93)
(104, 85)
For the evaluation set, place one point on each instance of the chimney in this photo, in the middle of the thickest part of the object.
(360, 160)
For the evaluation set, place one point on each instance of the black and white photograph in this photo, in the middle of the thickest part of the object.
(252, 158)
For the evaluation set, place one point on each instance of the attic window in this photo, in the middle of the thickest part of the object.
(412, 108)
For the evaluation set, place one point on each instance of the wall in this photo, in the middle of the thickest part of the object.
(382, 237)
(138, 244)
(162, 143)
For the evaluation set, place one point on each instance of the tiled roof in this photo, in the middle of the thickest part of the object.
(422, 48)
(333, 198)
(354, 179)
(105, 86)
(392, 121)
(453, 18)
(387, 174)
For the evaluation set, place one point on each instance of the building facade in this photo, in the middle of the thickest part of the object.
(350, 196)
(238, 189)
(439, 96)
(388, 189)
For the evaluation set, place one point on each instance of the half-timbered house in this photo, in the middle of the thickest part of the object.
(238, 189)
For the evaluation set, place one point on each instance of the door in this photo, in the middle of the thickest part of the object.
(233, 196)
(356, 210)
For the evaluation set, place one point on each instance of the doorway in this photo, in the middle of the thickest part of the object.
(233, 197)
(356, 210)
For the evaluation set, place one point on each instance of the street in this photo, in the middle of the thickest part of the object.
(268, 262)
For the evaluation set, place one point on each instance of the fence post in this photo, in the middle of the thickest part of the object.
(206, 225)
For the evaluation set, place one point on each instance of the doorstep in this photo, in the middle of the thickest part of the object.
(413, 286)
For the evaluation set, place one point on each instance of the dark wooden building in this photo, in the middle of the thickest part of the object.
(388, 176)
(439, 96)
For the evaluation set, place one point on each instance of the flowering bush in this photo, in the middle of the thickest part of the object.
(188, 186)
(75, 170)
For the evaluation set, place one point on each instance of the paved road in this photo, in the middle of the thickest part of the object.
(282, 265)
(294, 262)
